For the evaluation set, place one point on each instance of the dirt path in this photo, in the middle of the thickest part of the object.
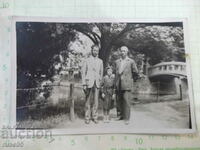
(165, 115)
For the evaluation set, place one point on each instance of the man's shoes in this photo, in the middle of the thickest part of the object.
(87, 121)
(136, 101)
(106, 119)
(120, 118)
(126, 122)
(96, 121)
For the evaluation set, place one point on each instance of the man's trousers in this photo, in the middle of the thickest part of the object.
(123, 104)
(91, 104)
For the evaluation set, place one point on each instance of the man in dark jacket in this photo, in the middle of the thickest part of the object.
(125, 71)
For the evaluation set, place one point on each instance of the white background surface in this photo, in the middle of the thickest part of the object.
(150, 9)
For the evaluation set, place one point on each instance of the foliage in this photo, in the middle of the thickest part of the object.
(159, 42)
(38, 44)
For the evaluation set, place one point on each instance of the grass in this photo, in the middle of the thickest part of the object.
(47, 123)
(51, 116)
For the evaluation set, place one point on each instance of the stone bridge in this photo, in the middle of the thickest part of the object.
(177, 69)
(171, 76)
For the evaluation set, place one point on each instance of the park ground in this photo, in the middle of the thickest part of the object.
(165, 115)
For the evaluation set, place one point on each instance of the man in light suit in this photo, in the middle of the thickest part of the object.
(92, 74)
(126, 71)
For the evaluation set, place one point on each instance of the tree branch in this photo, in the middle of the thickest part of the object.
(99, 26)
(94, 40)
(91, 35)
(97, 36)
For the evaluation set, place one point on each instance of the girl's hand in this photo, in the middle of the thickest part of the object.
(113, 96)
(103, 95)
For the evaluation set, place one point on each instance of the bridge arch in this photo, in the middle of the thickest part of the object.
(171, 76)
(176, 69)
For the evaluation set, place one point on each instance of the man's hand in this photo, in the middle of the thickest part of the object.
(113, 96)
(135, 76)
(102, 95)
(84, 88)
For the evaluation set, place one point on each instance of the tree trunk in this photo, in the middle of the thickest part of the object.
(104, 54)
(106, 46)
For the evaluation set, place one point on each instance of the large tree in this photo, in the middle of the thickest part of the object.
(104, 34)
(161, 41)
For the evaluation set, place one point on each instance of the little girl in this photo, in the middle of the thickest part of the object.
(108, 92)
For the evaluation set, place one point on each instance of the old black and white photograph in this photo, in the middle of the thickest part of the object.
(102, 76)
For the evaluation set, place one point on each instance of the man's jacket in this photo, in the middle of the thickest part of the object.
(125, 73)
(92, 72)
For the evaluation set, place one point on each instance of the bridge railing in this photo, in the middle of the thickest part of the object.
(167, 68)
